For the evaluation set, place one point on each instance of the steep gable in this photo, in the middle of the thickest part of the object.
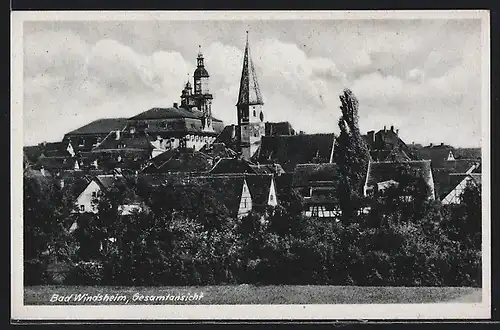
(288, 151)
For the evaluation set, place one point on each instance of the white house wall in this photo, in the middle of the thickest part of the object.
(271, 199)
(245, 201)
(85, 198)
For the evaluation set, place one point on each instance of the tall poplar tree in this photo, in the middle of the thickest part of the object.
(352, 156)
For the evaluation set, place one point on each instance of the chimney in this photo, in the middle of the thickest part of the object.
(397, 131)
(371, 136)
(430, 145)
(176, 105)
(392, 128)
(233, 132)
(117, 135)
(385, 128)
(442, 144)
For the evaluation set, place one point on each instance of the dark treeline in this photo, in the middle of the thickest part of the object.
(397, 242)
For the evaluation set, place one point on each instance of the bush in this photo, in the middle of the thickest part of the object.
(35, 272)
(86, 273)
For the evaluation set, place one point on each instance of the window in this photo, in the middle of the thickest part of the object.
(254, 113)
(244, 202)
(271, 198)
(94, 194)
(82, 208)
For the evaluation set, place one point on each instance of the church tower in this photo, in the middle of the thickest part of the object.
(202, 97)
(250, 109)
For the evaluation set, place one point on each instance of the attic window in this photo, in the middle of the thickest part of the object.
(94, 194)
(82, 208)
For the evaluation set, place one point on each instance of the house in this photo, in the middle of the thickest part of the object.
(443, 175)
(190, 125)
(386, 145)
(459, 183)
(382, 175)
(437, 154)
(239, 193)
(55, 157)
(240, 166)
(123, 149)
(85, 202)
(289, 151)
(89, 136)
(179, 160)
(317, 184)
(280, 128)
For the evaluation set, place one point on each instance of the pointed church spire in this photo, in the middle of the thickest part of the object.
(249, 86)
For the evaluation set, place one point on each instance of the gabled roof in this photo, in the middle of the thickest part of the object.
(168, 113)
(386, 171)
(226, 188)
(249, 86)
(56, 149)
(101, 126)
(177, 160)
(56, 163)
(259, 186)
(460, 165)
(468, 153)
(280, 128)
(232, 165)
(218, 150)
(267, 169)
(109, 180)
(436, 154)
(288, 151)
(126, 141)
(228, 136)
(306, 175)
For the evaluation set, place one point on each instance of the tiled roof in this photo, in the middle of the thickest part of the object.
(306, 175)
(229, 137)
(110, 180)
(177, 160)
(267, 169)
(436, 154)
(218, 150)
(386, 171)
(232, 165)
(469, 153)
(459, 165)
(164, 113)
(288, 151)
(126, 140)
(225, 188)
(280, 128)
(101, 126)
(55, 163)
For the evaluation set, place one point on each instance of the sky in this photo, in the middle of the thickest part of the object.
(421, 76)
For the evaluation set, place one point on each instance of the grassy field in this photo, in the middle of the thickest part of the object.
(250, 294)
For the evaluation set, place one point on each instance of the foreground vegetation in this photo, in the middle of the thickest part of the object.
(282, 294)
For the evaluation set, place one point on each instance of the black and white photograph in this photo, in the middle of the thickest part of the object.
(250, 165)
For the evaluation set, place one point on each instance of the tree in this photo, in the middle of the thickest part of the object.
(352, 156)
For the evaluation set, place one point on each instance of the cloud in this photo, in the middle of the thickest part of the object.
(401, 76)
(60, 53)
